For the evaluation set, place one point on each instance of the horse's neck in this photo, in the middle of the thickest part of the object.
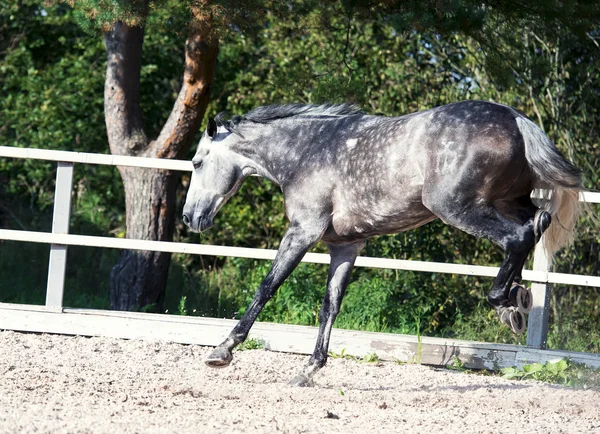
(274, 157)
(258, 157)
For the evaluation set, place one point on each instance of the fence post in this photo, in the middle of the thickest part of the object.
(537, 326)
(60, 225)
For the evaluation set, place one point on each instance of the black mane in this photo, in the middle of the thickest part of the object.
(270, 113)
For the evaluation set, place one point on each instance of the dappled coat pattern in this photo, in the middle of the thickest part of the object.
(348, 176)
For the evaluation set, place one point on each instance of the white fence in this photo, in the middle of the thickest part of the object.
(59, 239)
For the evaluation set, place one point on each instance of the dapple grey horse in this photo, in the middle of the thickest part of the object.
(347, 176)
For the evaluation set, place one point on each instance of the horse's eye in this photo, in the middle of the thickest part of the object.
(197, 164)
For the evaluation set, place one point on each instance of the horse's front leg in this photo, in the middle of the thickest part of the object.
(340, 268)
(297, 240)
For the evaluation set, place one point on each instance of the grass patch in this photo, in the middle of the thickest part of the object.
(252, 344)
(368, 358)
(564, 372)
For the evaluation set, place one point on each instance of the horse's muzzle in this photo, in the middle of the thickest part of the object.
(197, 223)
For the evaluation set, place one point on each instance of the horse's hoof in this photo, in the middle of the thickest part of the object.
(302, 380)
(514, 318)
(524, 300)
(219, 358)
(521, 298)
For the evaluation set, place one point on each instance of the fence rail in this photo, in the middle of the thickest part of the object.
(269, 254)
(59, 239)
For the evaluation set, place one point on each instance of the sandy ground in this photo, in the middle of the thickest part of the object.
(61, 384)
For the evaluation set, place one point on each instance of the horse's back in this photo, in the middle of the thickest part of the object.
(475, 152)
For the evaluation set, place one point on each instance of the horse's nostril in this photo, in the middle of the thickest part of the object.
(186, 219)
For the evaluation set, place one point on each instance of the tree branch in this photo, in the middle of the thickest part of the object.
(201, 50)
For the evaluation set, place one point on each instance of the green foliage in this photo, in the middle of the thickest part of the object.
(251, 344)
(49, 96)
(181, 309)
(23, 288)
(563, 372)
(368, 358)
(481, 324)
(298, 301)
(92, 14)
(457, 365)
(574, 325)
(24, 271)
(172, 16)
(51, 81)
(371, 358)
(341, 355)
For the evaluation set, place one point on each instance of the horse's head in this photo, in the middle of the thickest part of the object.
(218, 174)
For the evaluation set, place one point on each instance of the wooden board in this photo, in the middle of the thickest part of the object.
(277, 337)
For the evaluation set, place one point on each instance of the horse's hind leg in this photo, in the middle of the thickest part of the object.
(516, 237)
(340, 268)
(512, 300)
(534, 221)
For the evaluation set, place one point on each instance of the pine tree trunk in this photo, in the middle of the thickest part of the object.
(139, 278)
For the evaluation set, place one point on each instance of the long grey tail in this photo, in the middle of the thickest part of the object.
(560, 183)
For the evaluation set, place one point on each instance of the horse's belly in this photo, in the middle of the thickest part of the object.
(361, 225)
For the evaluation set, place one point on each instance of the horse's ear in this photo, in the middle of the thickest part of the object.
(211, 130)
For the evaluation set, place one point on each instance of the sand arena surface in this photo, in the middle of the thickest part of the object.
(62, 384)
